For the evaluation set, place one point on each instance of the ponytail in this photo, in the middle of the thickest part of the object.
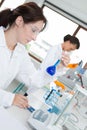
(4, 17)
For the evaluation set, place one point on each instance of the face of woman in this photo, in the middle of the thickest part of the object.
(28, 32)
(67, 46)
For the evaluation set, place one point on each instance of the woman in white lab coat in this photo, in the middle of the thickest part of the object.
(56, 52)
(62, 52)
(18, 27)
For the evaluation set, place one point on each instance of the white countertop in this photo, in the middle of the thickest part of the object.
(22, 115)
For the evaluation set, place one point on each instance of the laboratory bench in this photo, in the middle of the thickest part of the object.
(20, 114)
(73, 116)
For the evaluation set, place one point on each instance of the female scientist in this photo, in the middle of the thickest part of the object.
(61, 52)
(17, 28)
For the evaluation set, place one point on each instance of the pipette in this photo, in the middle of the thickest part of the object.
(52, 69)
(30, 108)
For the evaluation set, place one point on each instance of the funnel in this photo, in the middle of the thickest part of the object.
(51, 70)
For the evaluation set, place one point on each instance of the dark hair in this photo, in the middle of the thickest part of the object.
(30, 12)
(73, 40)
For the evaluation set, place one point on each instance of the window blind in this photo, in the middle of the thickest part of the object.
(75, 10)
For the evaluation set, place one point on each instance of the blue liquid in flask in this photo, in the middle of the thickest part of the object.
(51, 70)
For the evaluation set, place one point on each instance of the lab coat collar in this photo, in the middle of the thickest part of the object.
(18, 48)
(2, 39)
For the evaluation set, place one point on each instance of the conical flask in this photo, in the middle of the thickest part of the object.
(51, 70)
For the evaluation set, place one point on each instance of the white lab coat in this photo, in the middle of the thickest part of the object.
(18, 65)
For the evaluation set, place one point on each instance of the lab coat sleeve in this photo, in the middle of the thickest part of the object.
(27, 69)
(6, 98)
(30, 76)
(38, 78)
(41, 77)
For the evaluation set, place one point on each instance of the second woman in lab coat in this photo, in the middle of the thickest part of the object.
(61, 52)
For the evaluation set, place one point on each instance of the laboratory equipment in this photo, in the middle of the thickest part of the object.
(73, 117)
(59, 84)
(51, 97)
(41, 118)
(72, 66)
(30, 108)
(80, 77)
(57, 100)
(74, 76)
(51, 70)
